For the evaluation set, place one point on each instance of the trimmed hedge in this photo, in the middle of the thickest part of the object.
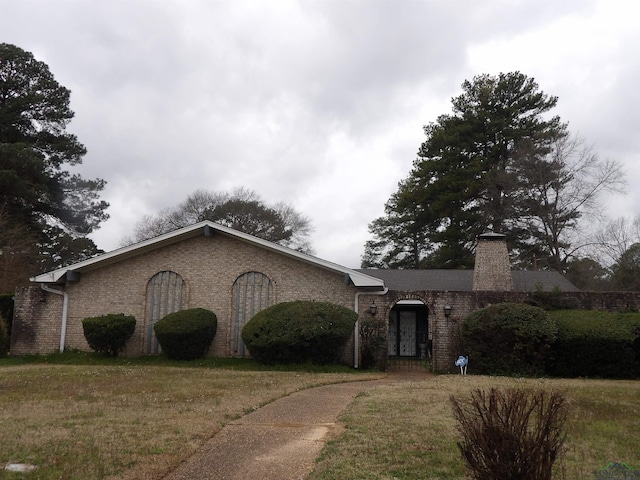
(187, 334)
(299, 331)
(596, 344)
(507, 339)
(108, 334)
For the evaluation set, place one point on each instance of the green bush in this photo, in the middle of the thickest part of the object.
(187, 334)
(595, 344)
(108, 333)
(299, 331)
(507, 339)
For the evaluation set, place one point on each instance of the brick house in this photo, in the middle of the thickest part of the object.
(236, 275)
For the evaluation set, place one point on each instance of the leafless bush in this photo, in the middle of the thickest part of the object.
(512, 434)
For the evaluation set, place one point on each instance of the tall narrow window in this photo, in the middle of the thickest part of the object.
(252, 292)
(165, 292)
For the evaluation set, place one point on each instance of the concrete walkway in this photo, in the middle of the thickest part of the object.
(281, 440)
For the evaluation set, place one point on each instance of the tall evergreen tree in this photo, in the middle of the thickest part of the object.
(36, 191)
(469, 170)
(401, 239)
(494, 164)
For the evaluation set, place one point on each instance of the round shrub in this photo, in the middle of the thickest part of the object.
(299, 331)
(187, 334)
(507, 339)
(108, 333)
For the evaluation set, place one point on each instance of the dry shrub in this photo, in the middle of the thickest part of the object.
(4, 338)
(512, 434)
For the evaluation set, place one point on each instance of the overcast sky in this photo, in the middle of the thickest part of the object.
(319, 104)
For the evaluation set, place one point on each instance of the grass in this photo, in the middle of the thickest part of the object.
(79, 416)
(90, 358)
(406, 431)
(84, 416)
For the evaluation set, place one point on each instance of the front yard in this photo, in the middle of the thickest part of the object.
(126, 421)
(122, 420)
(407, 431)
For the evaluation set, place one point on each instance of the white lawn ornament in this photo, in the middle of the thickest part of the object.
(462, 363)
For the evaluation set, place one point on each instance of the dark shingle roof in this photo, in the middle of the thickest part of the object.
(462, 280)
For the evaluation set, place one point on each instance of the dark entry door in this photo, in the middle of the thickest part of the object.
(408, 332)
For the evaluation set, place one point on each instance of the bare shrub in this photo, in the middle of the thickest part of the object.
(374, 341)
(512, 434)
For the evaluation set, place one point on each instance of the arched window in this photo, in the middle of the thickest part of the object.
(165, 293)
(252, 292)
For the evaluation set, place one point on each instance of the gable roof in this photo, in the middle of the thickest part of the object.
(462, 280)
(207, 228)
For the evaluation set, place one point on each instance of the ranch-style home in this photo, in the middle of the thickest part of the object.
(236, 275)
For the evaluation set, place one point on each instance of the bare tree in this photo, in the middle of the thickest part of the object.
(299, 225)
(614, 237)
(193, 209)
(566, 189)
(241, 209)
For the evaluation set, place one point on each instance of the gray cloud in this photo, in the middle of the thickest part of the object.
(316, 103)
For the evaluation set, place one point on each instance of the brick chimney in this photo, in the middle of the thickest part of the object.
(492, 270)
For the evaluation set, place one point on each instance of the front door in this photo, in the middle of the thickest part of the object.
(407, 331)
(407, 334)
(402, 333)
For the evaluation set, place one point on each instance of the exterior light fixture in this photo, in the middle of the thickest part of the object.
(373, 308)
(447, 310)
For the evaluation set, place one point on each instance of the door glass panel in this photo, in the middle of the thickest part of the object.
(393, 334)
(407, 331)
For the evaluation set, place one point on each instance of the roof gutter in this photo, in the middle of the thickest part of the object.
(65, 311)
(356, 333)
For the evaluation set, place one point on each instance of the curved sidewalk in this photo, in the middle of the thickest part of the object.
(281, 440)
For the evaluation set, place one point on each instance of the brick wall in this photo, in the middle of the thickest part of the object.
(445, 330)
(36, 322)
(209, 267)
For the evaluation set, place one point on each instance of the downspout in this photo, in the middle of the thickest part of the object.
(65, 309)
(356, 333)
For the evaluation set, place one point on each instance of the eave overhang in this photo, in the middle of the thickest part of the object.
(358, 279)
